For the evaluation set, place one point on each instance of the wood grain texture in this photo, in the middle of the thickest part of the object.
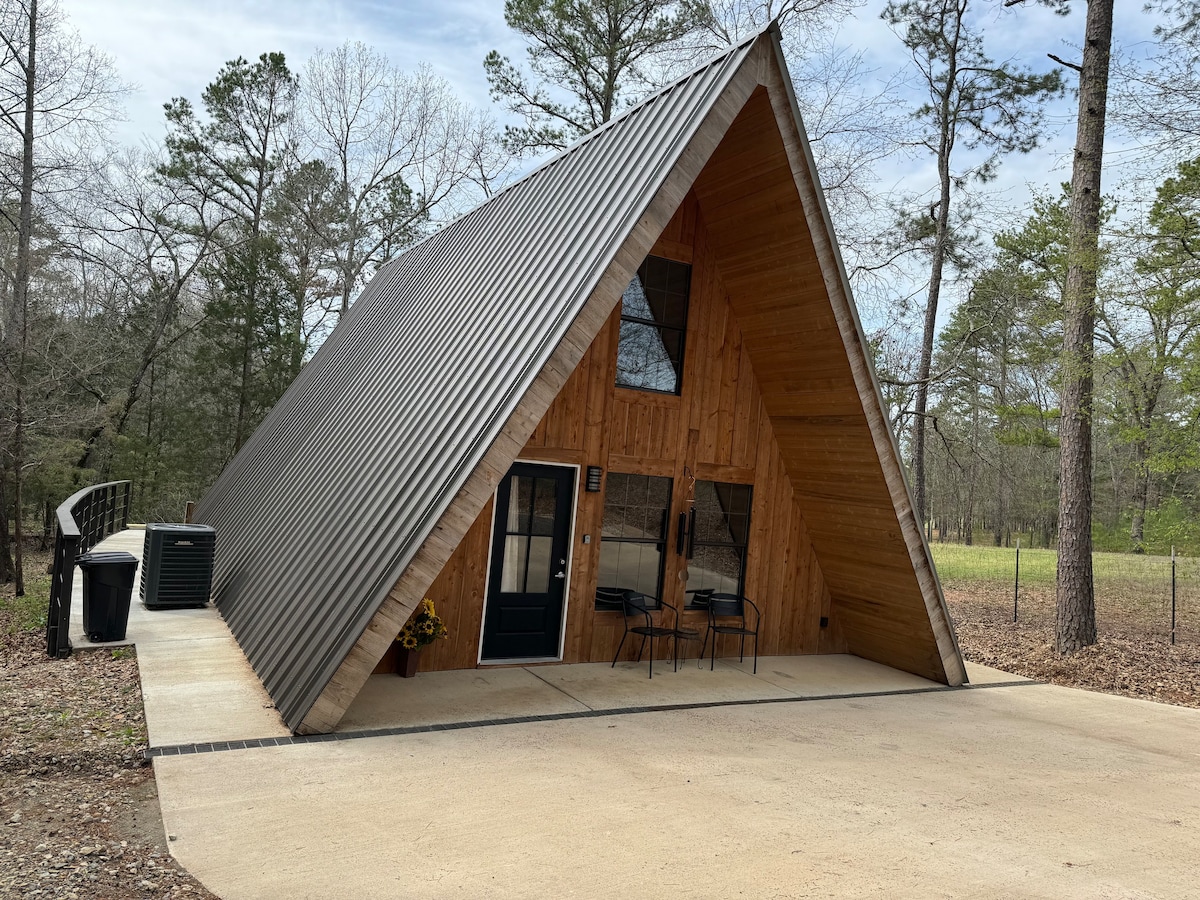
(715, 427)
(788, 293)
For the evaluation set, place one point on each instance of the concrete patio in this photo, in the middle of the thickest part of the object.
(820, 776)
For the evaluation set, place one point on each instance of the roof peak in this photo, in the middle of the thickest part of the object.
(603, 128)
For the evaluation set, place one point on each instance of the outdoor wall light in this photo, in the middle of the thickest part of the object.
(594, 474)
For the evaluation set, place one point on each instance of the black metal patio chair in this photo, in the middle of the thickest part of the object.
(636, 607)
(727, 607)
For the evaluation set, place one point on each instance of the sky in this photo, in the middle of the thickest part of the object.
(168, 48)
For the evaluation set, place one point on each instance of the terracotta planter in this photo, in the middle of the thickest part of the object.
(406, 662)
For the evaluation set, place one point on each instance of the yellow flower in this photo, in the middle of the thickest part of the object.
(427, 606)
(408, 642)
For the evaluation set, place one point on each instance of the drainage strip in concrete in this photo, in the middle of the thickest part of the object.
(291, 740)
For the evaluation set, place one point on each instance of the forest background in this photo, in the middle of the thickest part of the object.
(171, 275)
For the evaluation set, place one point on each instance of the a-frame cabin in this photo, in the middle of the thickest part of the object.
(660, 311)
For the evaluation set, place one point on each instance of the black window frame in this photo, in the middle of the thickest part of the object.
(744, 546)
(679, 329)
(655, 600)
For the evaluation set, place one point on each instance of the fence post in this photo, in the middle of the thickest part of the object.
(1172, 594)
(128, 498)
(58, 619)
(1016, 581)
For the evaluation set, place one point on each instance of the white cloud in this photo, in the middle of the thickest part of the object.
(170, 49)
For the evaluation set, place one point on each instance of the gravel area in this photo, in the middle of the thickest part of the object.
(78, 806)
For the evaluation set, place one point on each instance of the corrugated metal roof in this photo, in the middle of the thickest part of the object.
(325, 506)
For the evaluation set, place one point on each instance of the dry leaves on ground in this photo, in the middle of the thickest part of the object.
(79, 808)
(1125, 660)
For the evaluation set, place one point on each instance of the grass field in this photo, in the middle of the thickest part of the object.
(1133, 593)
(958, 562)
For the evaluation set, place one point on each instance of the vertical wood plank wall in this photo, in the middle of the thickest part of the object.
(716, 427)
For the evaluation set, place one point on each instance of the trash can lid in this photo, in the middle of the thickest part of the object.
(106, 558)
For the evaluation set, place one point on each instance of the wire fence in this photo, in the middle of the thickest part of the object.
(1137, 597)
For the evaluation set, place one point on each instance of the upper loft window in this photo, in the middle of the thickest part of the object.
(653, 323)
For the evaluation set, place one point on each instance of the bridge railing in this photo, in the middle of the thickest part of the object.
(84, 519)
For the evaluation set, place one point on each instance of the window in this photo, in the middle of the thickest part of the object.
(653, 323)
(720, 534)
(633, 536)
(529, 535)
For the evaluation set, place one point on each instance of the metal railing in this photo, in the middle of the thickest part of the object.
(84, 520)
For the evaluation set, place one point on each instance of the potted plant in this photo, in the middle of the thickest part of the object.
(423, 628)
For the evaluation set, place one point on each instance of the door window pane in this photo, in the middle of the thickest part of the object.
(520, 504)
(543, 505)
(512, 576)
(537, 573)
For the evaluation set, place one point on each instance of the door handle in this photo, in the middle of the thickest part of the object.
(561, 575)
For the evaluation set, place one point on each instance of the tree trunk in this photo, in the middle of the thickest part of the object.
(973, 469)
(1002, 525)
(19, 314)
(243, 410)
(1075, 625)
(6, 562)
(47, 527)
(1141, 490)
(921, 402)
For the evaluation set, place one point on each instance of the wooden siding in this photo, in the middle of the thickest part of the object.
(716, 427)
(800, 334)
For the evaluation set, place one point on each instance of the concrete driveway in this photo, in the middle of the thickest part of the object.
(896, 788)
(1017, 791)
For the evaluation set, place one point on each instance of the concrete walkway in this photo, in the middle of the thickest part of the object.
(196, 683)
(1004, 789)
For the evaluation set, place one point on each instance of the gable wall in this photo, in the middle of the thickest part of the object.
(818, 393)
(717, 427)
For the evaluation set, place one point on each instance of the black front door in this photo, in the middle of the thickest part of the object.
(528, 577)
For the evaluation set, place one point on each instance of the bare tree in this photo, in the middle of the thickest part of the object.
(148, 240)
(974, 103)
(1156, 98)
(56, 94)
(402, 150)
(729, 21)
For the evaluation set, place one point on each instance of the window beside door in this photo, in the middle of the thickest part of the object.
(720, 536)
(653, 325)
(633, 536)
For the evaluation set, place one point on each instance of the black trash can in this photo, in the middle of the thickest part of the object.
(107, 587)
